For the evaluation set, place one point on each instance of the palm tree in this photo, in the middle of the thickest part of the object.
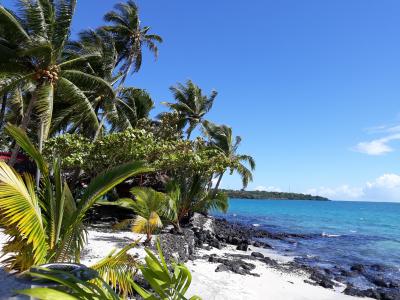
(124, 110)
(149, 206)
(47, 226)
(38, 65)
(130, 106)
(191, 104)
(130, 36)
(222, 139)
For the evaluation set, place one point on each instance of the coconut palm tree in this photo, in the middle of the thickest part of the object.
(38, 66)
(222, 139)
(191, 104)
(130, 36)
(124, 110)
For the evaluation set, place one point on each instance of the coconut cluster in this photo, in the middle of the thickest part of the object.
(50, 74)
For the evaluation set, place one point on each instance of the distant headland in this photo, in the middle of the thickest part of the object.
(272, 195)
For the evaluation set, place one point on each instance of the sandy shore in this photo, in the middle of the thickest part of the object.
(210, 285)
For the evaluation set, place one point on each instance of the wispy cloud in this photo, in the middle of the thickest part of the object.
(380, 145)
(383, 188)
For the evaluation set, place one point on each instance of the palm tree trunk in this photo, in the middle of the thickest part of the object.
(217, 185)
(3, 110)
(24, 124)
(100, 127)
(41, 132)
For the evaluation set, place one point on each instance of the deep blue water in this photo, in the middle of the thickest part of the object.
(344, 233)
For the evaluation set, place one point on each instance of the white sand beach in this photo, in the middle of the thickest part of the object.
(210, 285)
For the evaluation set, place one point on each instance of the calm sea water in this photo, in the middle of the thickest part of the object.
(343, 233)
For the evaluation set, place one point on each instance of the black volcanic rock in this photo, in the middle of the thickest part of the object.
(257, 254)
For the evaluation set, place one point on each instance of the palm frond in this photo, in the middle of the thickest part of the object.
(13, 80)
(44, 105)
(88, 82)
(118, 269)
(20, 209)
(109, 179)
(80, 106)
(11, 23)
(24, 142)
(62, 24)
(140, 224)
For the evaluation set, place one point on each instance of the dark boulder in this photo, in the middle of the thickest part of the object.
(222, 268)
(390, 294)
(257, 254)
(243, 246)
(357, 268)
(179, 247)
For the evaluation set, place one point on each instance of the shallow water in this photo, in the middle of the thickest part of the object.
(343, 233)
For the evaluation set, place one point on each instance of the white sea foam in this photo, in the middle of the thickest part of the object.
(329, 235)
(256, 225)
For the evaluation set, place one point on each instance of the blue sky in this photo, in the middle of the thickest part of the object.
(313, 87)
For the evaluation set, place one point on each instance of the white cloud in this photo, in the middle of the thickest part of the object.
(343, 192)
(383, 188)
(267, 188)
(378, 146)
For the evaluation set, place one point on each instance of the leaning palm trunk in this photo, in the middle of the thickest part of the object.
(98, 131)
(217, 185)
(24, 125)
(41, 137)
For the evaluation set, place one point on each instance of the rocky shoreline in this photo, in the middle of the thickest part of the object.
(207, 233)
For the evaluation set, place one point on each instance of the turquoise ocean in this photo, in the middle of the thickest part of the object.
(341, 233)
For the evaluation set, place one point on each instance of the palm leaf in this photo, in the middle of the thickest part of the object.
(20, 209)
(12, 24)
(24, 142)
(62, 24)
(88, 82)
(80, 104)
(118, 269)
(13, 80)
(44, 105)
(140, 224)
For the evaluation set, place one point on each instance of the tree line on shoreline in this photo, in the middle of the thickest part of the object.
(266, 195)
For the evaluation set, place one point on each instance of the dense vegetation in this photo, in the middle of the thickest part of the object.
(271, 195)
(65, 106)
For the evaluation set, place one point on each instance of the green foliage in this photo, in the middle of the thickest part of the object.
(70, 287)
(221, 138)
(171, 156)
(191, 105)
(265, 195)
(35, 64)
(149, 206)
(118, 269)
(130, 37)
(165, 284)
(47, 225)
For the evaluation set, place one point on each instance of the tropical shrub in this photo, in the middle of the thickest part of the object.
(149, 206)
(173, 157)
(46, 225)
(165, 284)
